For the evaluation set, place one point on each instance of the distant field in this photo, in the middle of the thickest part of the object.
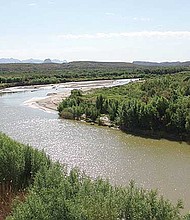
(32, 74)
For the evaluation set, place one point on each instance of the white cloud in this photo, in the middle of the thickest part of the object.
(145, 34)
(32, 4)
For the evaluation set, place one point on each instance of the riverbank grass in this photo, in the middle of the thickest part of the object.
(55, 193)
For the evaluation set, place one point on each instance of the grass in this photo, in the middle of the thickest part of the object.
(7, 198)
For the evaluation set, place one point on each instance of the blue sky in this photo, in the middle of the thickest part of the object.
(101, 30)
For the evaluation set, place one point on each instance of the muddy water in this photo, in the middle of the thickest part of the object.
(97, 150)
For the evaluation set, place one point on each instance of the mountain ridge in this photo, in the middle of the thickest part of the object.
(93, 63)
(31, 60)
(166, 64)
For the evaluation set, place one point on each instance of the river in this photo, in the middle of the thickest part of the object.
(99, 151)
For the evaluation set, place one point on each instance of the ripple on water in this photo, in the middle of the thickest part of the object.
(100, 151)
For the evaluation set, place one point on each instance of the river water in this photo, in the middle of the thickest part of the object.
(99, 151)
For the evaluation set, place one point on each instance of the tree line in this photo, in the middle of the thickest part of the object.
(159, 105)
(33, 74)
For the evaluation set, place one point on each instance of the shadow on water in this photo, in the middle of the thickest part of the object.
(158, 135)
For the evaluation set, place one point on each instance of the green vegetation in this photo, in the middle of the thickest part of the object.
(45, 190)
(32, 74)
(19, 163)
(18, 167)
(156, 106)
(53, 193)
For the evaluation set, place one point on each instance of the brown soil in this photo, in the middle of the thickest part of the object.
(7, 196)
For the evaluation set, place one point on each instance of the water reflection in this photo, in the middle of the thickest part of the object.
(99, 151)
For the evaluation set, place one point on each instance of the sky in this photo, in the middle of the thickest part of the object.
(99, 30)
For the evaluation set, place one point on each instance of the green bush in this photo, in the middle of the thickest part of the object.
(67, 114)
(19, 163)
(55, 193)
(160, 105)
(59, 195)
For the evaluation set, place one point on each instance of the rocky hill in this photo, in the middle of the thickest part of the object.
(12, 60)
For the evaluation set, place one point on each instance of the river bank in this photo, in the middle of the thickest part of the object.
(38, 180)
(98, 150)
(52, 99)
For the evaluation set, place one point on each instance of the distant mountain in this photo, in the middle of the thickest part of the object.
(32, 61)
(58, 61)
(9, 60)
(94, 64)
(145, 63)
(12, 60)
(47, 61)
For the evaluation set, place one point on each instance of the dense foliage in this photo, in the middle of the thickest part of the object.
(32, 74)
(159, 105)
(19, 163)
(57, 194)
(18, 167)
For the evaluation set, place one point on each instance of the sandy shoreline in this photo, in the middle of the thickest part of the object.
(54, 97)
(52, 101)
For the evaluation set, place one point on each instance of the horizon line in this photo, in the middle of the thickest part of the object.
(111, 61)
